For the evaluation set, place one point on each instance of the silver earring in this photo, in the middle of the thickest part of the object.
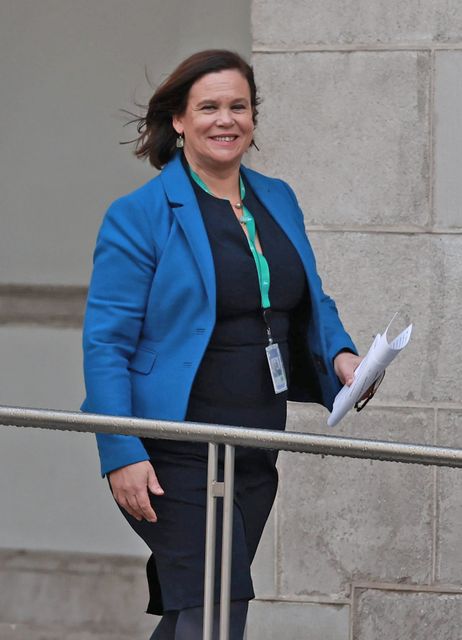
(180, 141)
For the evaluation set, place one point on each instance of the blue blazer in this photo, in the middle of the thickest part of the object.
(151, 307)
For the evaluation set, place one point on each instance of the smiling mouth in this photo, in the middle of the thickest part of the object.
(224, 138)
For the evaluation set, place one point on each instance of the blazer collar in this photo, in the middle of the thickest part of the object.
(183, 203)
(274, 196)
(177, 185)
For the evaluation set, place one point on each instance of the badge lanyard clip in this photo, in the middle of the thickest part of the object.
(267, 319)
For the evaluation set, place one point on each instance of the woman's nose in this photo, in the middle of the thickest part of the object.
(225, 118)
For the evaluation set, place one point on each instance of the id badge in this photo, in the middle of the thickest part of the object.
(276, 366)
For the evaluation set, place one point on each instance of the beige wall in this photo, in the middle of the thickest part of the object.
(67, 69)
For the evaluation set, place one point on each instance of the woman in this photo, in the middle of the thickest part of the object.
(203, 277)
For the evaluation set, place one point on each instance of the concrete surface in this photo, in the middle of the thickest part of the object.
(342, 520)
(405, 616)
(297, 621)
(264, 566)
(361, 114)
(419, 275)
(449, 486)
(296, 24)
(448, 139)
(360, 123)
(76, 595)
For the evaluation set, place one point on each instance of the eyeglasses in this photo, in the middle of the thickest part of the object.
(370, 393)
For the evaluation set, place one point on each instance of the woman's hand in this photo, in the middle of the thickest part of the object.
(130, 486)
(345, 364)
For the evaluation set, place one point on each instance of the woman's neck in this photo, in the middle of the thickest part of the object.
(223, 183)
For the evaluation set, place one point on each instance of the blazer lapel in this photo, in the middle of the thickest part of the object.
(278, 202)
(185, 208)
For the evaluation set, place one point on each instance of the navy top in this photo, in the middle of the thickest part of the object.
(234, 376)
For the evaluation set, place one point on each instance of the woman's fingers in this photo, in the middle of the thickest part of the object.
(145, 507)
(130, 488)
(130, 504)
(123, 501)
(153, 483)
(137, 505)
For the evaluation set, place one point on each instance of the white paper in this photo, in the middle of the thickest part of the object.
(380, 355)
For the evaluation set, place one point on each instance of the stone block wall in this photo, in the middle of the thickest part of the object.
(361, 114)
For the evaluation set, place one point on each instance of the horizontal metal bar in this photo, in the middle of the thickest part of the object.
(236, 436)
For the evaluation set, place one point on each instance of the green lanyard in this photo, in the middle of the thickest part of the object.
(260, 261)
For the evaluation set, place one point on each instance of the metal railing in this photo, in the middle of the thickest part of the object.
(230, 437)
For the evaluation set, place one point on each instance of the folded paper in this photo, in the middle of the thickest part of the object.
(380, 355)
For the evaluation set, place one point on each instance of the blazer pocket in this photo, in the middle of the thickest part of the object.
(142, 361)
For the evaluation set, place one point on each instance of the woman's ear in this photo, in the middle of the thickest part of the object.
(177, 124)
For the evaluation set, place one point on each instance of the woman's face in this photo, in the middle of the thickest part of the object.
(217, 123)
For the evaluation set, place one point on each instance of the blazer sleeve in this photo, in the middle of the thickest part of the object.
(337, 338)
(123, 269)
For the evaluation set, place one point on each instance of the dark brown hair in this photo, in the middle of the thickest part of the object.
(157, 137)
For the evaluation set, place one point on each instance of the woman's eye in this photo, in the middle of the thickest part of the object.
(208, 107)
(239, 107)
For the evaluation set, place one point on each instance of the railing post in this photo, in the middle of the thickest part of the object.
(227, 544)
(210, 541)
(216, 490)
